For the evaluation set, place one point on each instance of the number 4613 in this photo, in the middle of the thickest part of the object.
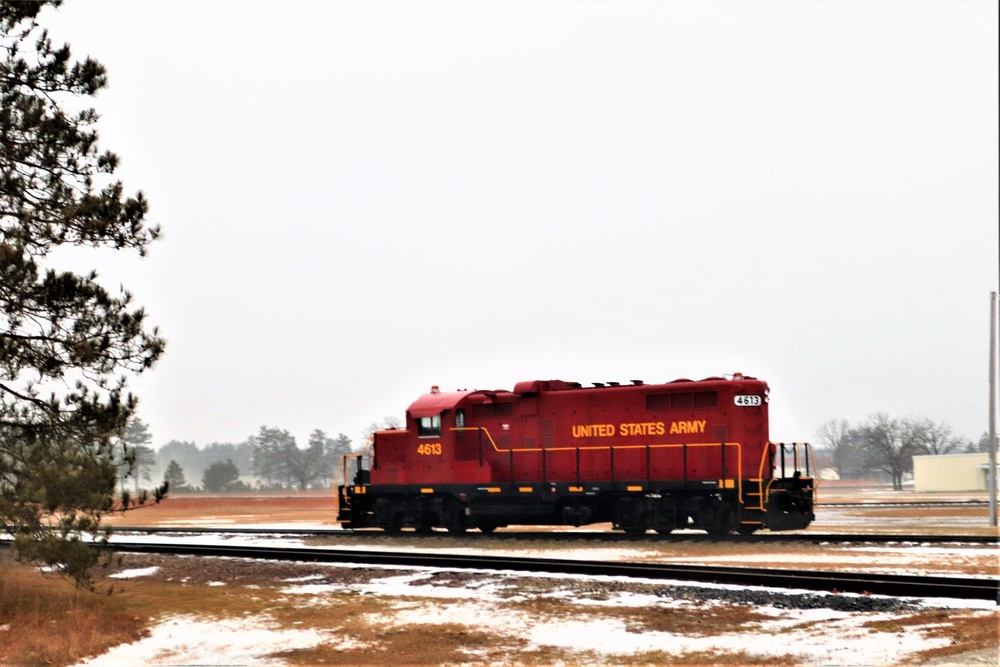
(430, 449)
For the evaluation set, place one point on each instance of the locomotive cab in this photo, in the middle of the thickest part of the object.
(431, 449)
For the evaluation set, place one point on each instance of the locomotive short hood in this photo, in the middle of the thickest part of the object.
(435, 403)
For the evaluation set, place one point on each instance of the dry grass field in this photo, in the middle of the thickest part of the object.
(307, 614)
(315, 508)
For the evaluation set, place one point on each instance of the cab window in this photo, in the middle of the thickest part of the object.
(429, 426)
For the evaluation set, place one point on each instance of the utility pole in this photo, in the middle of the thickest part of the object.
(992, 482)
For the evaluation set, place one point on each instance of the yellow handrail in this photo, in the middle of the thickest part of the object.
(343, 467)
(766, 492)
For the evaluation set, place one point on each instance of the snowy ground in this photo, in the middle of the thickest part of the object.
(188, 640)
(821, 636)
(828, 634)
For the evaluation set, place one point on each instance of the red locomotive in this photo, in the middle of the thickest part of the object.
(685, 454)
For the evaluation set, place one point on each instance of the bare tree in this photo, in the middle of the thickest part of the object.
(889, 445)
(932, 438)
(835, 436)
(368, 435)
(388, 422)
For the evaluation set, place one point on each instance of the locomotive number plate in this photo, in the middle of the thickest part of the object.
(747, 401)
(430, 449)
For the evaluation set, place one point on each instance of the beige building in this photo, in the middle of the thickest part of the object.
(951, 472)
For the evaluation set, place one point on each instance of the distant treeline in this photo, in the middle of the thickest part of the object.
(271, 459)
(887, 445)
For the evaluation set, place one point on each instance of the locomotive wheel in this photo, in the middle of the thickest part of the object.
(725, 525)
(395, 523)
(456, 529)
(640, 526)
(747, 529)
(486, 527)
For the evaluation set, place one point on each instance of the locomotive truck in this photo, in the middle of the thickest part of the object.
(678, 455)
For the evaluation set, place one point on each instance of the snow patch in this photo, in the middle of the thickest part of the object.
(132, 574)
(188, 640)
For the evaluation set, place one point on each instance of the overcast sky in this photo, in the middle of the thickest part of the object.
(362, 199)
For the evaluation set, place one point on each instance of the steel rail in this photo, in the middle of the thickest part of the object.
(851, 582)
(565, 535)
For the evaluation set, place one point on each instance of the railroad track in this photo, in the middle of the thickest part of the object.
(905, 503)
(568, 535)
(851, 582)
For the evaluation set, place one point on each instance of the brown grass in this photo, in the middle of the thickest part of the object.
(46, 621)
(443, 644)
(965, 630)
(315, 508)
(706, 621)
(700, 659)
